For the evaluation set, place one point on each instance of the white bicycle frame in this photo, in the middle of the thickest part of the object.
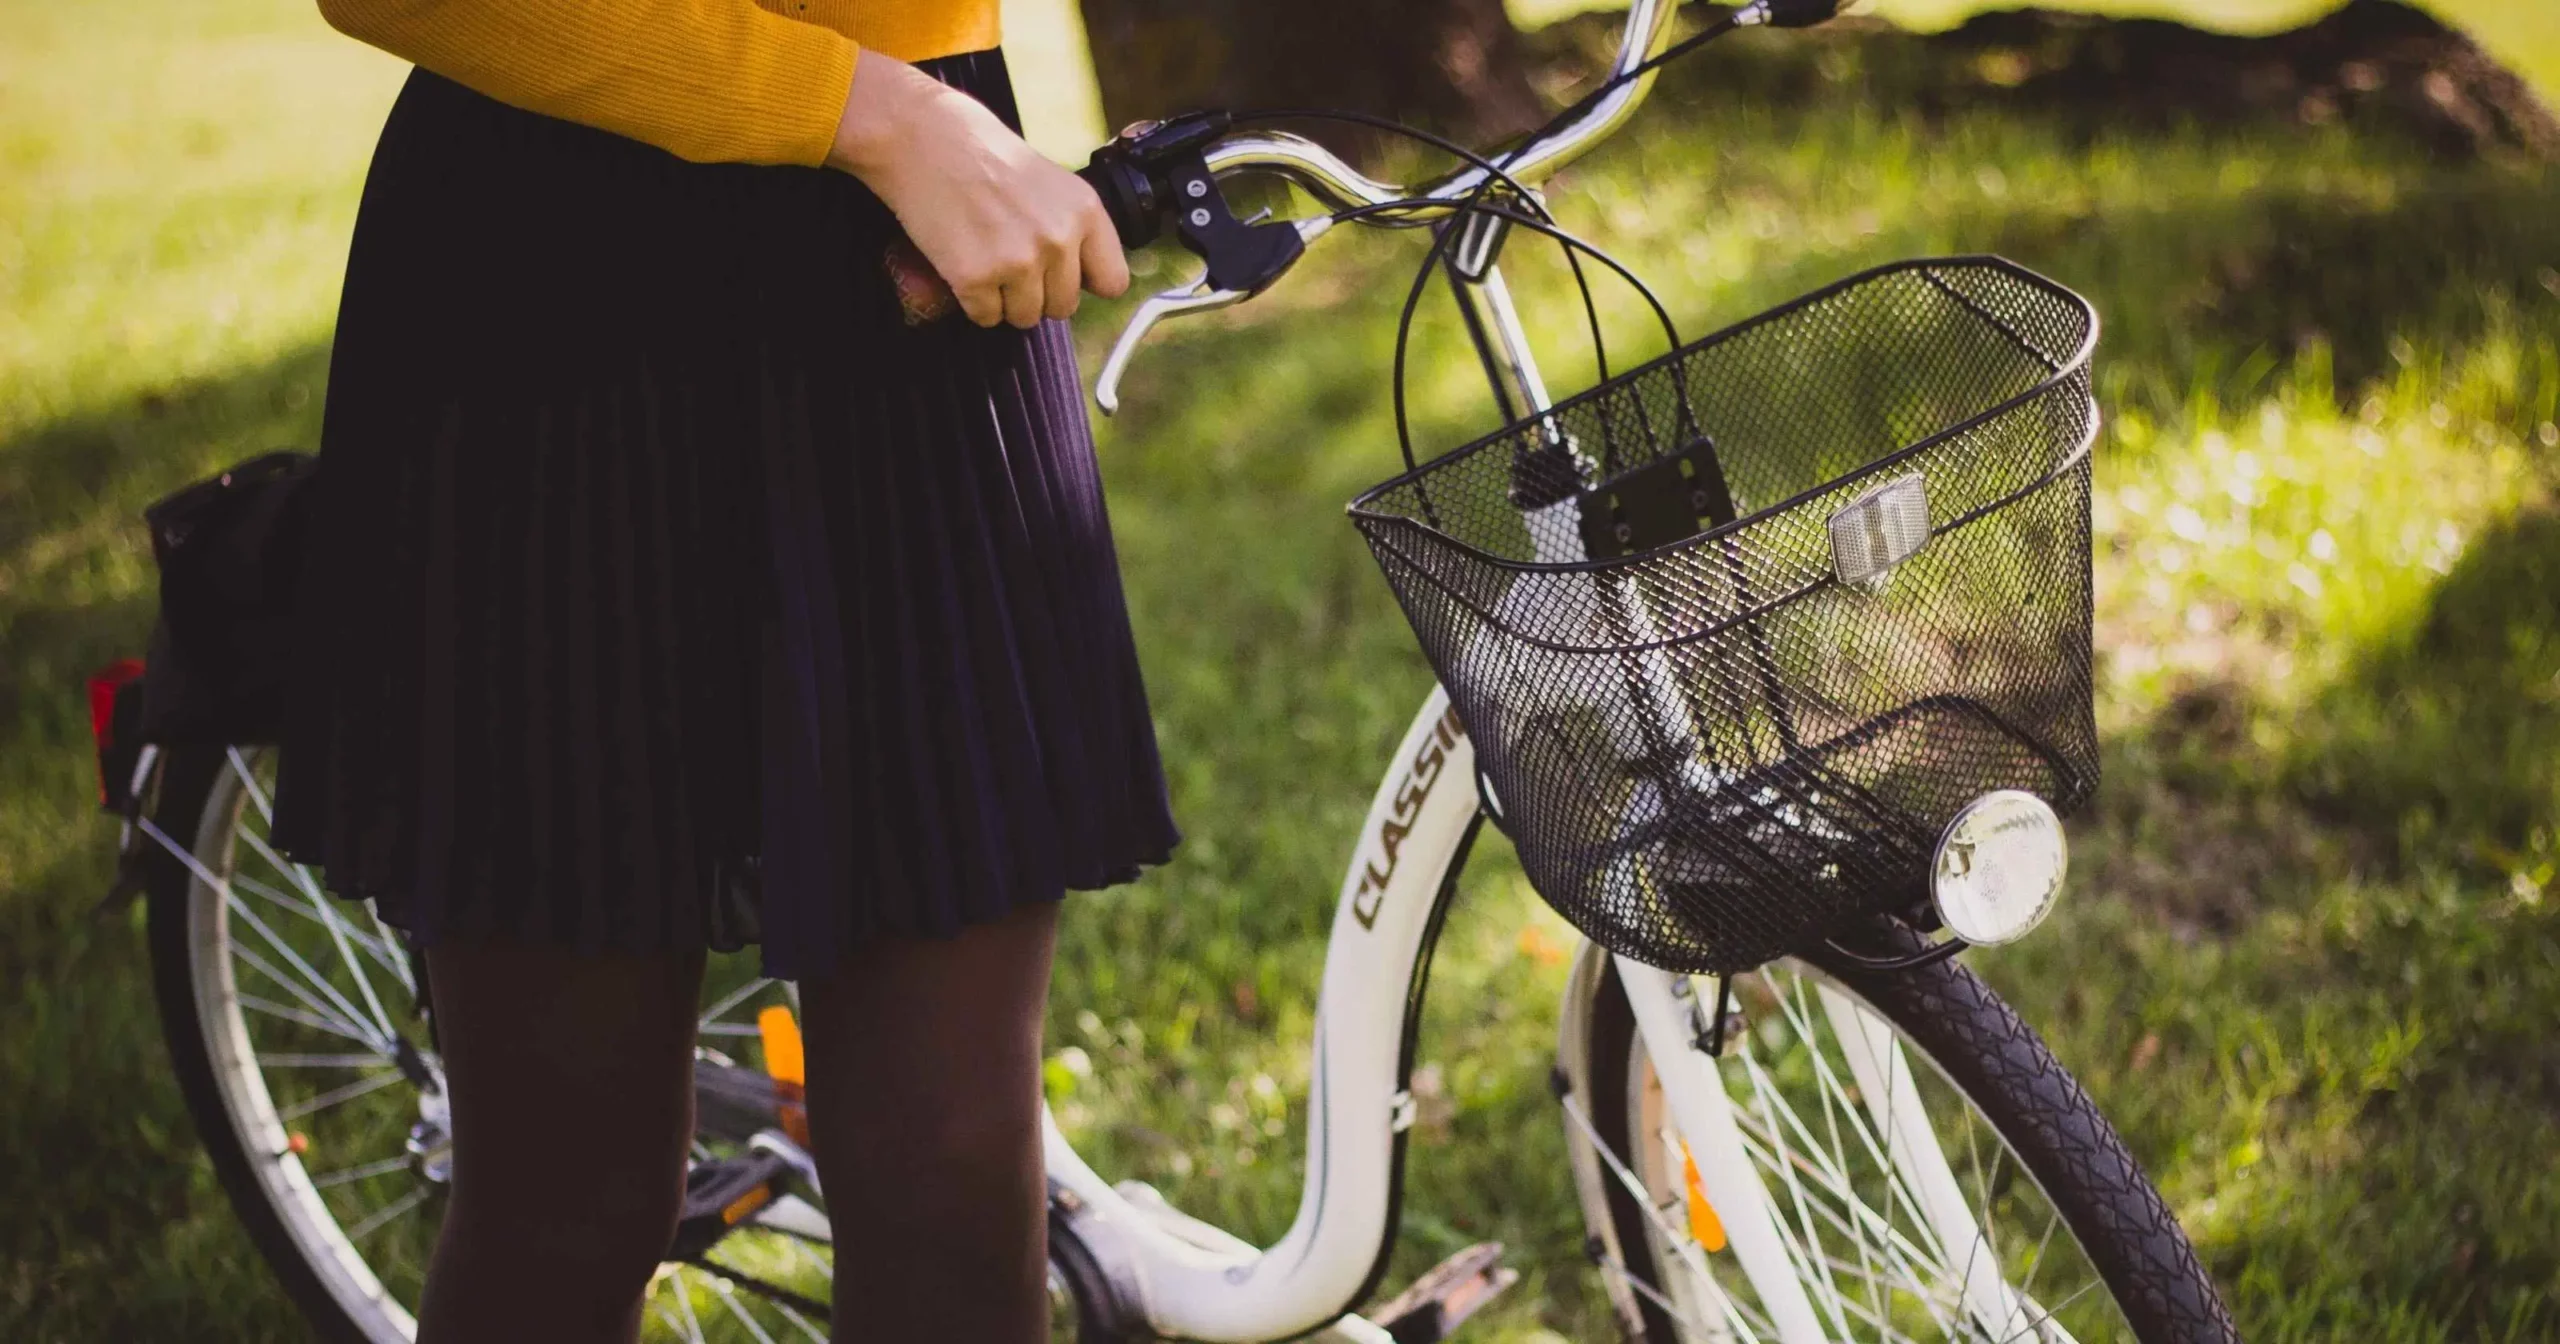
(1211, 1287)
(1193, 1281)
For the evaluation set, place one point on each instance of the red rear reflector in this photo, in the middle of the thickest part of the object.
(103, 685)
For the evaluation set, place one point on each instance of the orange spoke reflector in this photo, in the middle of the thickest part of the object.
(297, 1143)
(782, 1054)
(1703, 1222)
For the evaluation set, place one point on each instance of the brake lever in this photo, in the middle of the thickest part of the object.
(1198, 296)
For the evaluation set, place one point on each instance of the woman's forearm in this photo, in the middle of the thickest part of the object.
(706, 80)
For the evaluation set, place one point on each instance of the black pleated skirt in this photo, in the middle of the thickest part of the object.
(666, 590)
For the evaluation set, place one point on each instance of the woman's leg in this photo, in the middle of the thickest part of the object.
(924, 1107)
(571, 1077)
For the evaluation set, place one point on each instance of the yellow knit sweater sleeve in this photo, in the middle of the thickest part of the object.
(706, 80)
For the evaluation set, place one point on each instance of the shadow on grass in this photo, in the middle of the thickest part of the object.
(2285, 268)
(154, 441)
(2414, 1041)
(116, 1222)
(2448, 736)
(75, 568)
(2352, 234)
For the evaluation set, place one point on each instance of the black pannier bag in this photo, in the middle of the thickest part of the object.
(229, 550)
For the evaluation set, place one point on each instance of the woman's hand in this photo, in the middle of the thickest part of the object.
(1014, 235)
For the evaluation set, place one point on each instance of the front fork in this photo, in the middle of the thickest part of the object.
(1670, 1017)
(1672, 1023)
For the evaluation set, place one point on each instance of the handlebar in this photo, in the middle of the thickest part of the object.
(1168, 170)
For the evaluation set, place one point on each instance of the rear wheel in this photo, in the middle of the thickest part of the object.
(1902, 1173)
(306, 1057)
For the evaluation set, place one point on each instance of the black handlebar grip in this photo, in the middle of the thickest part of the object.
(1128, 196)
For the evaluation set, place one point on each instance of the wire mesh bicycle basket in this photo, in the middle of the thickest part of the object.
(1738, 632)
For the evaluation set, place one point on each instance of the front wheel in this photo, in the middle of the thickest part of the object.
(1899, 1173)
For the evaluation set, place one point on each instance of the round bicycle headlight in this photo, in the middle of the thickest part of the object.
(1999, 867)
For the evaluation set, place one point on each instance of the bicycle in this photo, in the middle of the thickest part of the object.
(1790, 1150)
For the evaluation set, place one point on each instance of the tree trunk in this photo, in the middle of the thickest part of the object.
(1454, 66)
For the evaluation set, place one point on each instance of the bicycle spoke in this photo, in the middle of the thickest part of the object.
(338, 1095)
(1892, 1242)
(337, 928)
(292, 1060)
(684, 1305)
(1965, 1278)
(1860, 1125)
(386, 1213)
(1655, 1296)
(728, 1295)
(364, 1172)
(323, 907)
(2038, 1323)
(1836, 1176)
(324, 1016)
(732, 999)
(291, 1014)
(1906, 1284)
(282, 900)
(1850, 1307)
(1900, 1250)
(2036, 1266)
(816, 1335)
(1798, 1251)
(240, 907)
(1920, 1220)
(391, 938)
(381, 952)
(1688, 1251)
(1833, 1101)
(1989, 1236)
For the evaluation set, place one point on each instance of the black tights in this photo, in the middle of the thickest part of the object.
(571, 1082)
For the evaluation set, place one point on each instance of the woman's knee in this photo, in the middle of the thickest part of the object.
(595, 1208)
(571, 1082)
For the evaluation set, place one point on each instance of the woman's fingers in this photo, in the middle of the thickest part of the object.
(981, 301)
(1105, 267)
(1024, 300)
(1062, 282)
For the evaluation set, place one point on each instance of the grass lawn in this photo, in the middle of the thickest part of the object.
(2313, 944)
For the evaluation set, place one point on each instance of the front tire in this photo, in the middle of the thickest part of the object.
(2108, 1260)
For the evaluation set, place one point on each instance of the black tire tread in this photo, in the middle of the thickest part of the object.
(2124, 1226)
(184, 788)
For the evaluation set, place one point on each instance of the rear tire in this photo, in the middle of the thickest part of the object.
(303, 1052)
(1997, 1066)
(186, 808)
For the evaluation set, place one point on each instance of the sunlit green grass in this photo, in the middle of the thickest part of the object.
(2309, 961)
